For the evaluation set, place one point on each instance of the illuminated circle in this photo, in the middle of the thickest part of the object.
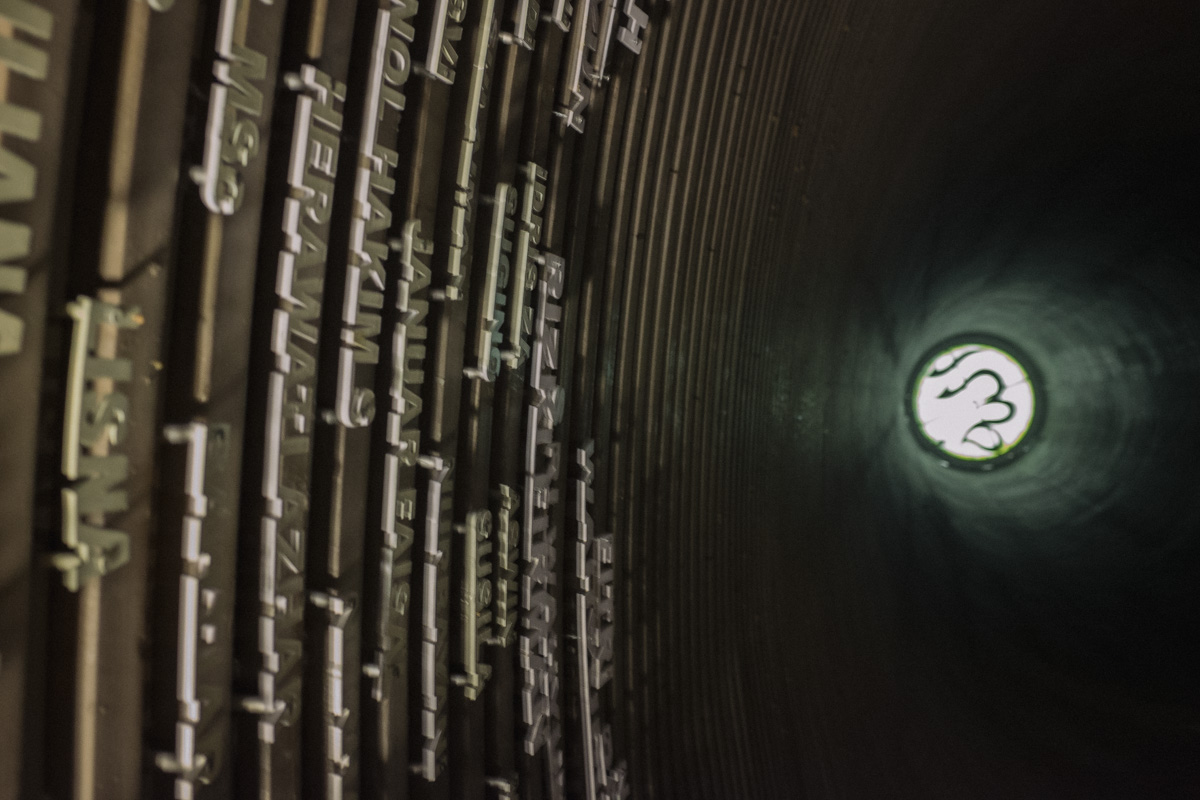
(975, 402)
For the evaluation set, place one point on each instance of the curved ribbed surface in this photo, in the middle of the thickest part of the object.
(698, 220)
(820, 192)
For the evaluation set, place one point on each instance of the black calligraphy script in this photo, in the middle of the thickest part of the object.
(994, 398)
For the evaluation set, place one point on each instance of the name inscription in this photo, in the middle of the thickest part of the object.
(506, 596)
(19, 177)
(487, 353)
(593, 629)
(525, 265)
(388, 72)
(475, 607)
(95, 422)
(398, 514)
(196, 604)
(442, 57)
(431, 716)
(587, 58)
(231, 135)
(461, 219)
(538, 641)
(299, 285)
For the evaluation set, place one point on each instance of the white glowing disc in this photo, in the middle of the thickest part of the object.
(974, 402)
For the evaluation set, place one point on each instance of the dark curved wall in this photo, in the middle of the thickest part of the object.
(809, 196)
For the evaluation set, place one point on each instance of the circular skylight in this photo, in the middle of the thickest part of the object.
(974, 402)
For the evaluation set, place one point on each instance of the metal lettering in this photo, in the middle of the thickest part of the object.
(231, 135)
(195, 605)
(28, 17)
(636, 20)
(19, 56)
(540, 708)
(603, 21)
(442, 57)
(490, 339)
(394, 576)
(609, 781)
(524, 21)
(547, 396)
(432, 714)
(299, 285)
(18, 177)
(524, 264)
(587, 56)
(461, 221)
(374, 185)
(593, 633)
(476, 611)
(505, 788)
(506, 596)
(399, 510)
(335, 714)
(580, 79)
(409, 337)
(94, 422)
(560, 14)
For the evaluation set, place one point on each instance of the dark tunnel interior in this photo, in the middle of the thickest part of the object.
(843, 612)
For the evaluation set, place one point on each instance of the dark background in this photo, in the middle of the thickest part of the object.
(864, 622)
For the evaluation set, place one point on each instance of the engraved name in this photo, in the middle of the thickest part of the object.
(507, 593)
(560, 14)
(95, 422)
(299, 285)
(335, 715)
(461, 221)
(587, 57)
(18, 177)
(196, 602)
(634, 21)
(388, 72)
(485, 356)
(398, 515)
(593, 631)
(523, 277)
(442, 58)
(231, 135)
(539, 656)
(475, 605)
(523, 21)
(431, 715)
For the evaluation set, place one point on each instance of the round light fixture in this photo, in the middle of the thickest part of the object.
(975, 401)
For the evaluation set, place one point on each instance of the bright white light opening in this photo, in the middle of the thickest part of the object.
(973, 402)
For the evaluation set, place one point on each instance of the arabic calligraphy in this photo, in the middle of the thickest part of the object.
(974, 401)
